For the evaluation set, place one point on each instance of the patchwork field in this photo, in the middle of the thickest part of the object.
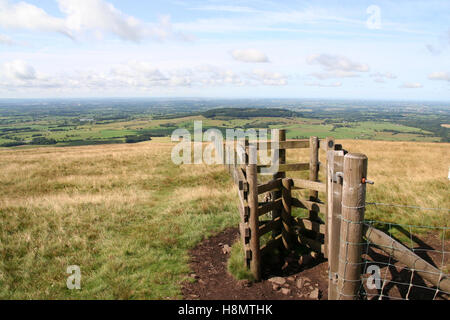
(74, 132)
(128, 216)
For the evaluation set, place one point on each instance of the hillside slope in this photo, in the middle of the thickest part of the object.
(128, 216)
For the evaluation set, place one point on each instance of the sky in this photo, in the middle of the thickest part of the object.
(384, 50)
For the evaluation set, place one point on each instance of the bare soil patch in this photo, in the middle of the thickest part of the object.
(289, 280)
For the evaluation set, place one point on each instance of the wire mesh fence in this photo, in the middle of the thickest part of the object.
(386, 276)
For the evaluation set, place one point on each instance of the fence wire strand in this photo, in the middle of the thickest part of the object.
(395, 284)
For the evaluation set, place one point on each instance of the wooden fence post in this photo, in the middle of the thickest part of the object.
(279, 175)
(329, 146)
(333, 221)
(286, 216)
(353, 207)
(252, 179)
(313, 173)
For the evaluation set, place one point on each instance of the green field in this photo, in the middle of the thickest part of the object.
(116, 132)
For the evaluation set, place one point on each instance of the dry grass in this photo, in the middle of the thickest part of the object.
(124, 213)
(128, 216)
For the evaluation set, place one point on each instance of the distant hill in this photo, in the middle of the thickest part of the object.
(250, 113)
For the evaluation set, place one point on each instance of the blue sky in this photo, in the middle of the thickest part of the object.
(233, 49)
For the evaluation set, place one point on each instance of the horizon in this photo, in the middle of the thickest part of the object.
(187, 98)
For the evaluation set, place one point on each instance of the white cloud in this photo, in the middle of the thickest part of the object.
(19, 70)
(269, 78)
(411, 85)
(249, 55)
(385, 75)
(443, 76)
(134, 75)
(337, 63)
(334, 74)
(380, 77)
(6, 40)
(26, 16)
(335, 66)
(97, 17)
(327, 85)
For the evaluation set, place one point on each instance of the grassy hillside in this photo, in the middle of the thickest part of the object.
(128, 216)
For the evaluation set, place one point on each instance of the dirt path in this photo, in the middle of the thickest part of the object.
(209, 264)
(294, 280)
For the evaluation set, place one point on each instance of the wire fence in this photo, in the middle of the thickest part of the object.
(384, 277)
(406, 206)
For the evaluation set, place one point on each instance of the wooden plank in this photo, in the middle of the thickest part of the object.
(292, 144)
(406, 256)
(279, 175)
(327, 144)
(335, 164)
(306, 184)
(243, 186)
(313, 172)
(255, 263)
(310, 225)
(288, 167)
(244, 230)
(353, 204)
(314, 245)
(240, 174)
(270, 206)
(244, 212)
(269, 226)
(323, 167)
(270, 186)
(286, 215)
(309, 205)
(242, 198)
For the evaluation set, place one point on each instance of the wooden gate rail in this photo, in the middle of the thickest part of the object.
(308, 184)
(288, 167)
